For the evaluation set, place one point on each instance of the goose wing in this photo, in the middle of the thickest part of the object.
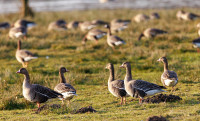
(118, 84)
(115, 40)
(64, 87)
(170, 75)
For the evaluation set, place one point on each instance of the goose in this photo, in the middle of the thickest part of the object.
(23, 56)
(113, 40)
(154, 16)
(117, 25)
(18, 32)
(4, 25)
(73, 25)
(35, 92)
(139, 88)
(168, 78)
(59, 25)
(84, 26)
(141, 18)
(25, 23)
(99, 22)
(116, 87)
(67, 90)
(182, 15)
(151, 33)
(196, 44)
(94, 34)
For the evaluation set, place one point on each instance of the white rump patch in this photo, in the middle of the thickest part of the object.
(69, 94)
(19, 34)
(152, 92)
(119, 43)
(169, 82)
(30, 58)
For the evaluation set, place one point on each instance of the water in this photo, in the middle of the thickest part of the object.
(12, 6)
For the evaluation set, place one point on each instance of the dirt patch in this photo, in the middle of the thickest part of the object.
(44, 107)
(85, 110)
(156, 118)
(162, 98)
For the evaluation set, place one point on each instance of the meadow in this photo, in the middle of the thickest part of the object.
(87, 66)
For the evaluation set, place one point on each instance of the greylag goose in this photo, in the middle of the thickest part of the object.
(139, 88)
(154, 16)
(18, 32)
(196, 44)
(4, 25)
(141, 18)
(94, 34)
(59, 25)
(168, 78)
(198, 26)
(25, 23)
(151, 33)
(113, 40)
(23, 56)
(182, 15)
(35, 92)
(72, 25)
(117, 25)
(67, 90)
(116, 87)
(84, 26)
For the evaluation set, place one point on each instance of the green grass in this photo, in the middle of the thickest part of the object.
(87, 67)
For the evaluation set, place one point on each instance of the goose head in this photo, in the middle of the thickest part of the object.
(109, 66)
(22, 71)
(63, 70)
(125, 65)
(162, 59)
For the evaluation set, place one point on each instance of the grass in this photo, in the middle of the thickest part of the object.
(86, 65)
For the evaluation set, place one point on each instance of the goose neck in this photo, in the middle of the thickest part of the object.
(165, 65)
(62, 78)
(111, 77)
(128, 73)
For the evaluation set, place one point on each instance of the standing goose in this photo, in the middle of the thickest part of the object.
(35, 92)
(182, 15)
(18, 32)
(151, 33)
(113, 40)
(25, 23)
(139, 88)
(116, 87)
(196, 44)
(65, 89)
(4, 25)
(168, 78)
(94, 34)
(85, 26)
(59, 25)
(23, 56)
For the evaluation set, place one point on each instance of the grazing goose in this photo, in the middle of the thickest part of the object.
(94, 34)
(72, 25)
(151, 33)
(25, 23)
(196, 44)
(18, 32)
(113, 40)
(23, 56)
(4, 25)
(182, 15)
(117, 25)
(139, 88)
(116, 87)
(141, 18)
(84, 26)
(154, 16)
(168, 78)
(65, 89)
(99, 22)
(59, 25)
(35, 92)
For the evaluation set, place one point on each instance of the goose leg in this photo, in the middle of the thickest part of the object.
(172, 90)
(121, 100)
(38, 104)
(113, 48)
(68, 102)
(124, 100)
(140, 100)
(198, 50)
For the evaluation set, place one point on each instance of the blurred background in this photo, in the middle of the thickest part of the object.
(12, 6)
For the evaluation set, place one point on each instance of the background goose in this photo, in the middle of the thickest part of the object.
(168, 78)
(72, 25)
(154, 16)
(59, 25)
(141, 18)
(139, 88)
(198, 26)
(151, 33)
(84, 26)
(94, 34)
(196, 44)
(4, 25)
(18, 32)
(182, 15)
(23, 56)
(113, 40)
(116, 87)
(99, 22)
(35, 92)
(25, 23)
(65, 89)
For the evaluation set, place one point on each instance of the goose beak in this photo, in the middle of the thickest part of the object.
(121, 66)
(18, 71)
(158, 60)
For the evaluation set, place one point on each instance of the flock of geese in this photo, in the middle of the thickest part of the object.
(119, 88)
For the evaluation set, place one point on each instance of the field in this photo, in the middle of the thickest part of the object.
(87, 67)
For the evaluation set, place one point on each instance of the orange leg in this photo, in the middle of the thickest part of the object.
(121, 100)
(140, 100)
(38, 104)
